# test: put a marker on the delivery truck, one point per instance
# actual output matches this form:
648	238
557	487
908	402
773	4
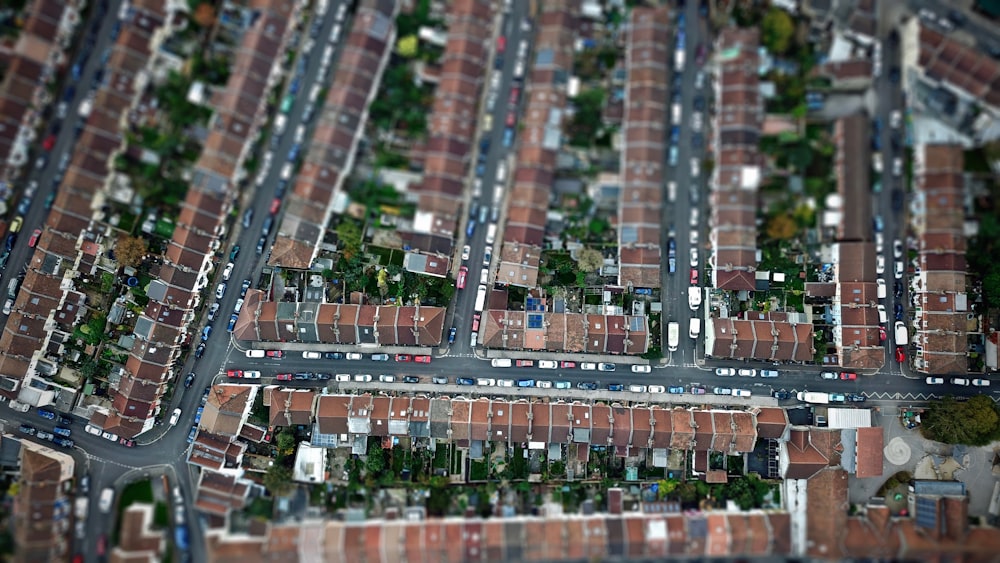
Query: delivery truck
812	397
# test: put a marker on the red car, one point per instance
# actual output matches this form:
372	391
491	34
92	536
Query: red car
900	354
283	377
275	354
275	206
694	276
126	442
511	119
234	373
514	93
525	363
501	44
34	238
848	375
475	322
881	334
567	364
463	273
49	142
102	545
403	357
422	359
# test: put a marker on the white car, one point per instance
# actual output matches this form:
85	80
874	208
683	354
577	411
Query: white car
588	366
657	389
898	271
768	373
897	249
251	375
228	272
563	385
895	119
694	257
466	250
641	369
385	378
829	375
960	381
505	383
220	290
175	417
110	436
362	378
543	384
744	393
548	364
342	377
311	355
637	388
726	372
8	306
897	166
879	242
747	372
696	121
694	217
880	264
880	289
695	167
935	381
486	381
981	382
91	429
354	356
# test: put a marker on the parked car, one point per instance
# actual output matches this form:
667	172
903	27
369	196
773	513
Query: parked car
547	364
782	395
900	354
46	414
411	379
981	382
567	365
606	367
641	369
403	357
439	380
333	355
311	355
829	375
745	372
418	359
934	381
726	372
675	390
848	376
354	356
768	373
588	366
855	398
587	385
616	387
563	384
722	391
381	357
189	380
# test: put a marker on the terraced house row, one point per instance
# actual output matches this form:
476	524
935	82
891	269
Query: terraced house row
49	305
340	126
642	160
30	61
450	131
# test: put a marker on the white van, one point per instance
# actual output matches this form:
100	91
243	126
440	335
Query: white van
473	339
883	316
255	353
501	171
491	234
279	124
672	191
501	362
694	328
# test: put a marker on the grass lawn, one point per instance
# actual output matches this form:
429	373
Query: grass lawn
441	457
478	470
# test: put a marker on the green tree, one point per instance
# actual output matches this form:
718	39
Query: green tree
286	440
349	238
408	46
376	461
278	479
975	422
587	121
777	30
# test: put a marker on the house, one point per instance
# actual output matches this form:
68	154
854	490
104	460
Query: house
227	407
218	493
41	526
137	540
289	407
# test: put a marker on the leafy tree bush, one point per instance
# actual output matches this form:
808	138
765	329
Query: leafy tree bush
975	422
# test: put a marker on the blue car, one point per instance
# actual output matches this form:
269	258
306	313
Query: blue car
46	414
465	381
451	335
675	390
525	382
62	431
508	137
471	228
192	434
232	322
64	442
616	387
205	333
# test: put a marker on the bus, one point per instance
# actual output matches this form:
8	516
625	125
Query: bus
480	298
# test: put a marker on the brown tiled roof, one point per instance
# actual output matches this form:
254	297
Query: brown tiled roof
868	458
804	458
826	523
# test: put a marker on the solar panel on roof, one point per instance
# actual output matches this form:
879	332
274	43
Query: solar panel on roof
535	321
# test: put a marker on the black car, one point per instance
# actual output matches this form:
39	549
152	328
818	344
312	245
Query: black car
411	379
897	200
465	381
899	311
587	385
699	103
27	429
304	376
324	376
199	351
897	289
234	253
782	395
65	420
333	356
189	380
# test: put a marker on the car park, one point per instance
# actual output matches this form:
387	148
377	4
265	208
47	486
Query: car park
641	369
725	372
745	372
934	380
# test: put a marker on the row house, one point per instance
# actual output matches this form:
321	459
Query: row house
932	60
49	306
30	63
239	109
339	128
41	514
348	420
547	537
565	332
737	174
640	212
338	323
451	127
942	312
539	140
773	337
